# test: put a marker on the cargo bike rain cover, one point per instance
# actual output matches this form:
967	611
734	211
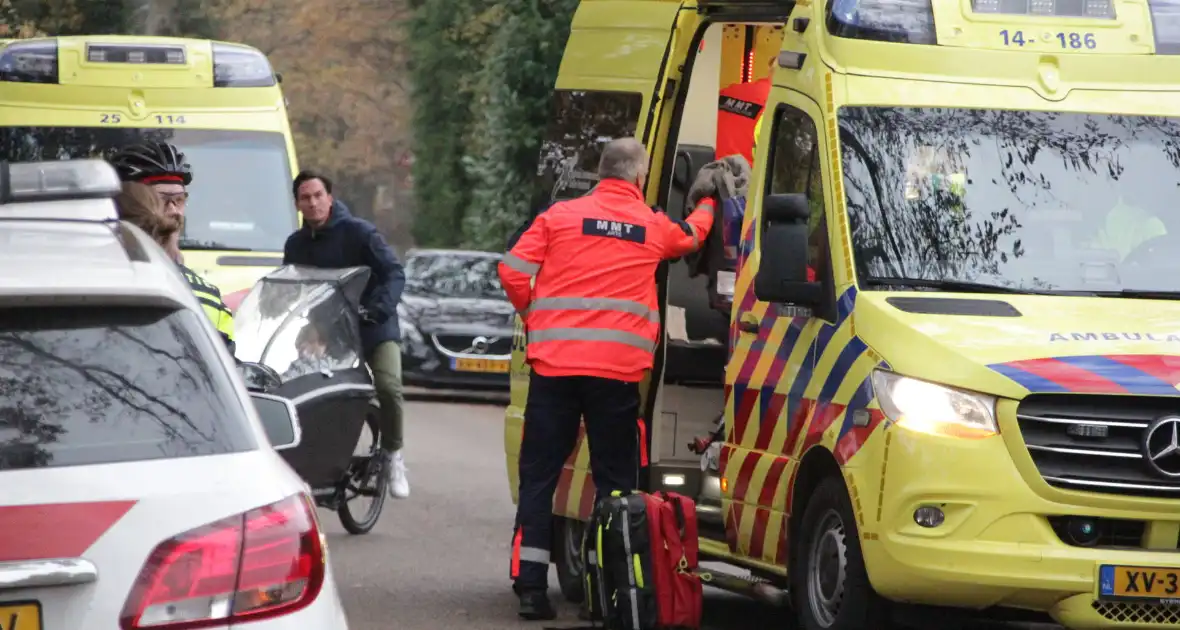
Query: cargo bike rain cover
304	323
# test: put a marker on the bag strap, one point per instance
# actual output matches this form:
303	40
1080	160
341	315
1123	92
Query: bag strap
678	511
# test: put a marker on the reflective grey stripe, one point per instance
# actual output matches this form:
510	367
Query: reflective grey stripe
520	265
696	239
595	304
631	571
592	334
592	558
532	554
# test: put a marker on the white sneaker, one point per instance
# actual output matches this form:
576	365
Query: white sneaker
399	487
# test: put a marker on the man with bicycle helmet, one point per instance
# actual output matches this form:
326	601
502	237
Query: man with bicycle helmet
162	166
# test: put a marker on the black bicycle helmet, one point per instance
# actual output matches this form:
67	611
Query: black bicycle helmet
152	162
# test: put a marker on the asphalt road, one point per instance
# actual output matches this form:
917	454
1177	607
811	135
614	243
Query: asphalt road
439	560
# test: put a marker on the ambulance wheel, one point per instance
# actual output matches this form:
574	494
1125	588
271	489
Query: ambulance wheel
567	555
830	587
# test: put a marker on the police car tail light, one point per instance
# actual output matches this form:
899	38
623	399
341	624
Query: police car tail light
52	181
925	407
1165	21
902	21
264	563
241	66
30	61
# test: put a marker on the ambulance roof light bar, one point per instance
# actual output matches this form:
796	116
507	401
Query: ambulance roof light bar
66	180
1165	21
29	61
912	21
241	66
898	21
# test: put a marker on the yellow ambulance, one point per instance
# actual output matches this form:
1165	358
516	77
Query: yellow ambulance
974	403
220	103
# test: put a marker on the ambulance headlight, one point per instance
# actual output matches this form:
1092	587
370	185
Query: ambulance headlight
925	407
900	21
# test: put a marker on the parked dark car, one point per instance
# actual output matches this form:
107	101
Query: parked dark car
456	321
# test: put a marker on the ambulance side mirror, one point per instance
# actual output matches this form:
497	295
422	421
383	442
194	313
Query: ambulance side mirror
782	273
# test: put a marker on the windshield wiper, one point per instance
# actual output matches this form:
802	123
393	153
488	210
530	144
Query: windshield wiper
949	285
212	246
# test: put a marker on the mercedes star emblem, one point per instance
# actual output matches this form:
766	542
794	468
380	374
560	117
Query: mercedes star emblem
1161	446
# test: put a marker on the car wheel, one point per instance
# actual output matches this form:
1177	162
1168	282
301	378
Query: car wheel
568	558
829	584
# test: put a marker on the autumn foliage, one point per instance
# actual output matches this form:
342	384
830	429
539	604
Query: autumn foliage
456	90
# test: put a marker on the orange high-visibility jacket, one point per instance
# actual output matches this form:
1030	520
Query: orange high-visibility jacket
593	310
739	107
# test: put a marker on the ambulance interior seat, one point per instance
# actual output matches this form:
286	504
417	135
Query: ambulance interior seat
701	357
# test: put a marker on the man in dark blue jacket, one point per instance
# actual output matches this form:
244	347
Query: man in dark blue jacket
332	238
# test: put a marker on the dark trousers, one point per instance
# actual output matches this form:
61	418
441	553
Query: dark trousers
555	407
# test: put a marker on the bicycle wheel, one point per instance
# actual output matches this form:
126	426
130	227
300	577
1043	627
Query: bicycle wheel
366	486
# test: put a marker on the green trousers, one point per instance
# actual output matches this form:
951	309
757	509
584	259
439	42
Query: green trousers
386	362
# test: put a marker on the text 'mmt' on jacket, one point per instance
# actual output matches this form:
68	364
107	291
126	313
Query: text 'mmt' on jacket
593	310
739	107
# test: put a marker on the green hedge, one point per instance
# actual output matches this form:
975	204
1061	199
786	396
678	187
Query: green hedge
483	78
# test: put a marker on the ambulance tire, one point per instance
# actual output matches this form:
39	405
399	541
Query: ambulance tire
567	545
830	587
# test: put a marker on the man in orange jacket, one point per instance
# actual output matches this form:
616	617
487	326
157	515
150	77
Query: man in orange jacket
592	322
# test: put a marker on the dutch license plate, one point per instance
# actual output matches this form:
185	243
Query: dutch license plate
1123	582
479	365
26	616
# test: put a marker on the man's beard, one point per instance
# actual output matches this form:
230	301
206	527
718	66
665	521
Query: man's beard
170	223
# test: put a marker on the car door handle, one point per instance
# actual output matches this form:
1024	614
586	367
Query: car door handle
43	573
748	323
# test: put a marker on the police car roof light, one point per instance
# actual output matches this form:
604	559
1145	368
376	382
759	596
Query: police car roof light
58	181
29	61
899	21
1165	21
241	66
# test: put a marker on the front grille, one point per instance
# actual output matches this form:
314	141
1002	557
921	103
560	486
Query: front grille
1095	443
1137	612
464	344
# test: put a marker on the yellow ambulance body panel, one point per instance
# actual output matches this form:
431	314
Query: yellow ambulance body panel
220	103
953	356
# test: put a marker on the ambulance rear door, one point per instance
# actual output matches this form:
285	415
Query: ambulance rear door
607	87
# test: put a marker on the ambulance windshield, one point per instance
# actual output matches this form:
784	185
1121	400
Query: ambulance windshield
1026	201
240	196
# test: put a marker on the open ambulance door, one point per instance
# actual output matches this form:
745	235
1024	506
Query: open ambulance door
732	41
608	86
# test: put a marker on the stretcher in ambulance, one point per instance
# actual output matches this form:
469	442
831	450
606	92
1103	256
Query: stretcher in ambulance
974	403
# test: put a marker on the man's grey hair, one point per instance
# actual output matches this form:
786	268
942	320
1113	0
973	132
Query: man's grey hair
623	158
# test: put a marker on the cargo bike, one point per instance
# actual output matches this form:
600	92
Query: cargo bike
298	338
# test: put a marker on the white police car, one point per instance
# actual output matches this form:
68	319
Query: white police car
137	485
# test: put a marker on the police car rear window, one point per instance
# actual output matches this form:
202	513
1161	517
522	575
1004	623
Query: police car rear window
99	385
